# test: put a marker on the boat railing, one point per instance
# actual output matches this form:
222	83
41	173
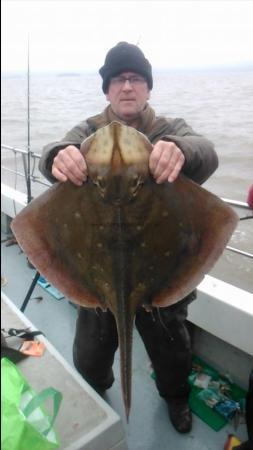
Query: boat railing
34	157
25	154
245	206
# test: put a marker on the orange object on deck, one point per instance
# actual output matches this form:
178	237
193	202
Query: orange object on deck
231	442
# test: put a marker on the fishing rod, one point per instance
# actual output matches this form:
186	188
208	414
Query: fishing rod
28	177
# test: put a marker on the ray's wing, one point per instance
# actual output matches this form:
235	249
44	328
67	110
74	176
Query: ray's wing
58	232
181	230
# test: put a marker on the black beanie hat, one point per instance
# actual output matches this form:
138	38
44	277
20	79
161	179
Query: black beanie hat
125	57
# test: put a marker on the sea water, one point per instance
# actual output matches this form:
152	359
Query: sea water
216	103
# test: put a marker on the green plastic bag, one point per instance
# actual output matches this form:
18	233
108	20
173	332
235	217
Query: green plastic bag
25	424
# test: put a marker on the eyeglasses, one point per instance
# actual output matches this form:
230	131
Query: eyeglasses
134	80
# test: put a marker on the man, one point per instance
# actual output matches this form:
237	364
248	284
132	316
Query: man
127	82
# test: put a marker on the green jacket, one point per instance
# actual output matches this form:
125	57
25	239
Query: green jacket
200	157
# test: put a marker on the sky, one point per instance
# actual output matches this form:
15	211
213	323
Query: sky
74	36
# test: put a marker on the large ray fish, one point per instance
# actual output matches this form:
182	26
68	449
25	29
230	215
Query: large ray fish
122	241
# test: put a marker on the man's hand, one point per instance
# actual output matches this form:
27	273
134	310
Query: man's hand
69	164
165	162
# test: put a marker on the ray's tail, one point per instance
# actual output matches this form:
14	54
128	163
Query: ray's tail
125	335
123	309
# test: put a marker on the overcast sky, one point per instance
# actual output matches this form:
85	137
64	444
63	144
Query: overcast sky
75	35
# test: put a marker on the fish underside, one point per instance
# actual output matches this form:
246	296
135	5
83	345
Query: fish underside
121	241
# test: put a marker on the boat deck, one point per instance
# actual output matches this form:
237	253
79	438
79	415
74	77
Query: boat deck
149	427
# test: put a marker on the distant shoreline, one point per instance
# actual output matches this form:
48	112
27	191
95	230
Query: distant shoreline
219	68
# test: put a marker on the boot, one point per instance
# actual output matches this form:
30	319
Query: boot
180	414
